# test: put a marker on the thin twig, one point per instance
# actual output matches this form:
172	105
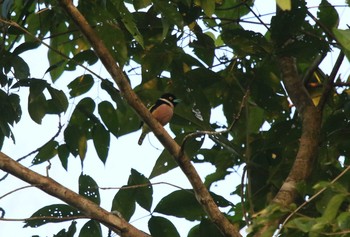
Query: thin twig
15	190
141	186
311	198
215	133
328	86
14	24
46	218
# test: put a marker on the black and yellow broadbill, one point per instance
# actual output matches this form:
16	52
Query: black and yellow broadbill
162	111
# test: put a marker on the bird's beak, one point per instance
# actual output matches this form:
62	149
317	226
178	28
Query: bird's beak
177	100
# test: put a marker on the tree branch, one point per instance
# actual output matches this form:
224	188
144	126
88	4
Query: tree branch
87	207
202	194
308	146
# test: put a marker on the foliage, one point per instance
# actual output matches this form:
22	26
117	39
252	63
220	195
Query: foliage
200	51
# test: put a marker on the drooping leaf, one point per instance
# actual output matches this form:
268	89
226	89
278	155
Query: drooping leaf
343	37
181	203
63	154
162	227
109	116
143	195
101	139
46	152
124	202
166	162
69	233
328	15
58	102
20	67
89	188
81	85
55	211
91	229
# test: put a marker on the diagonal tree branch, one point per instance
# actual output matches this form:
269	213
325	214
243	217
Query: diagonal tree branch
202	193
87	207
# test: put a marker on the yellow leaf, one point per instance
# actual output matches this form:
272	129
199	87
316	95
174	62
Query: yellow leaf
285	5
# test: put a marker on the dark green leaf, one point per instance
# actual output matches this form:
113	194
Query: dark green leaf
124	203
208	229
129	22
20	67
208	7
143	195
161	227
58	102
101	139
26	46
56	211
327	15
87	56
166	162
91	229
37	107
46	152
343	37
109	116
181	203
70	233
81	85
169	12
89	189
204	48
73	136
63	154
343	221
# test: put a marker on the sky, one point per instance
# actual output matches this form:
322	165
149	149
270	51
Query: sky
124	155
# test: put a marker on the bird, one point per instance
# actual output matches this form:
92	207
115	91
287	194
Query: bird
162	111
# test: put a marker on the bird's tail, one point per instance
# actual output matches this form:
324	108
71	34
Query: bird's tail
142	137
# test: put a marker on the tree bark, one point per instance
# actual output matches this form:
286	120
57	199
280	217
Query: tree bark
87	207
202	194
311	118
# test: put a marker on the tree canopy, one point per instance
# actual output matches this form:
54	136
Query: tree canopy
286	115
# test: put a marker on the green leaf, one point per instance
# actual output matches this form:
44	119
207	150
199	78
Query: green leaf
139	4
129	22
327	15
143	195
166	162
29	45
69	233
343	37
101	139
208	229
20	67
181	203
124	202
285	5
162	227
89	189
204	48
332	208
81	85
63	154
303	224
58	102
59	43
37	107
46	152
109	117
72	135
56	211
208	7
343	221
169	12
87	56
91	229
